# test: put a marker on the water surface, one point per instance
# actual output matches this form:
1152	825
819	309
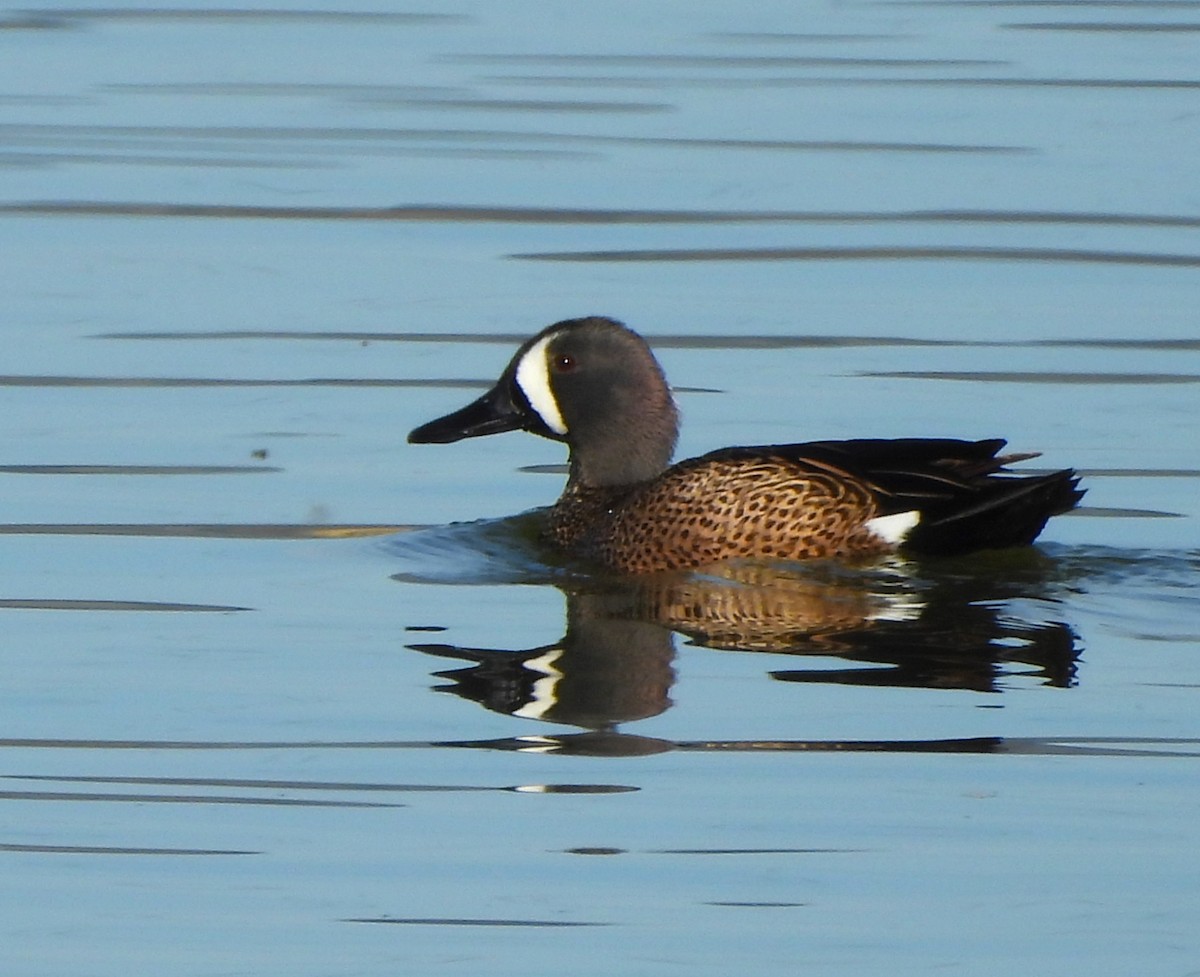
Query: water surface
284	693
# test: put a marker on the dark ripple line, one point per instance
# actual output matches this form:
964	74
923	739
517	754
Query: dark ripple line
168	156
307	89
33	795
578	215
76	133
56	604
119	850
663	341
1186	84
207	530
1021	746
438	383
1028	746
1158	344
790	37
759	905
1127	27
77	381
1133	472
32	159
43	743
513	104
137	469
1049	376
1111	512
12	98
720	61
254	783
240	14
977	81
515	339
752	851
463	921
1065	255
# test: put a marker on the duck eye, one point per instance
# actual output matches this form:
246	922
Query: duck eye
564	363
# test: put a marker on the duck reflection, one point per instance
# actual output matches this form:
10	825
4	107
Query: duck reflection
607	669
890	625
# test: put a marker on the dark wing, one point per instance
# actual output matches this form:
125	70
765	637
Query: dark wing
967	498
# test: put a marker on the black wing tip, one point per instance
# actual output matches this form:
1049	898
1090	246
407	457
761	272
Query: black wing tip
1006	511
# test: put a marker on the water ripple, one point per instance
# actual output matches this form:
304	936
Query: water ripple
881	253
469	214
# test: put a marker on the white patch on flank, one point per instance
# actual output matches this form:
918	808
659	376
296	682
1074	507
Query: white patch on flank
894	529
544	696
533	377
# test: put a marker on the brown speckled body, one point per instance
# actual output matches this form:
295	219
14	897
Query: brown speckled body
712	508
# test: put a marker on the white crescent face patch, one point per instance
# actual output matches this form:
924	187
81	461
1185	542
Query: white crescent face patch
533	377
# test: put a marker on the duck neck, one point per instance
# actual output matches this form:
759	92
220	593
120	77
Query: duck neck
615	455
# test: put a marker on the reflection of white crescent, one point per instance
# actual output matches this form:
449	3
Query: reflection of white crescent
544	697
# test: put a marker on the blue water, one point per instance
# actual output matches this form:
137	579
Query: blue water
283	693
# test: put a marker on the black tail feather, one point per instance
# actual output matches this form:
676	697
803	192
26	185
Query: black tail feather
1000	512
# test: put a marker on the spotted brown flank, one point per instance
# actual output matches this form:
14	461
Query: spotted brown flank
710	509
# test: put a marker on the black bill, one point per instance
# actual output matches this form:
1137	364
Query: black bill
495	412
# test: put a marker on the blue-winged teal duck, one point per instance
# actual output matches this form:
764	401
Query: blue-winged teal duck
596	385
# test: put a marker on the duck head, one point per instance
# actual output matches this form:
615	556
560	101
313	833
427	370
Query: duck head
591	383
